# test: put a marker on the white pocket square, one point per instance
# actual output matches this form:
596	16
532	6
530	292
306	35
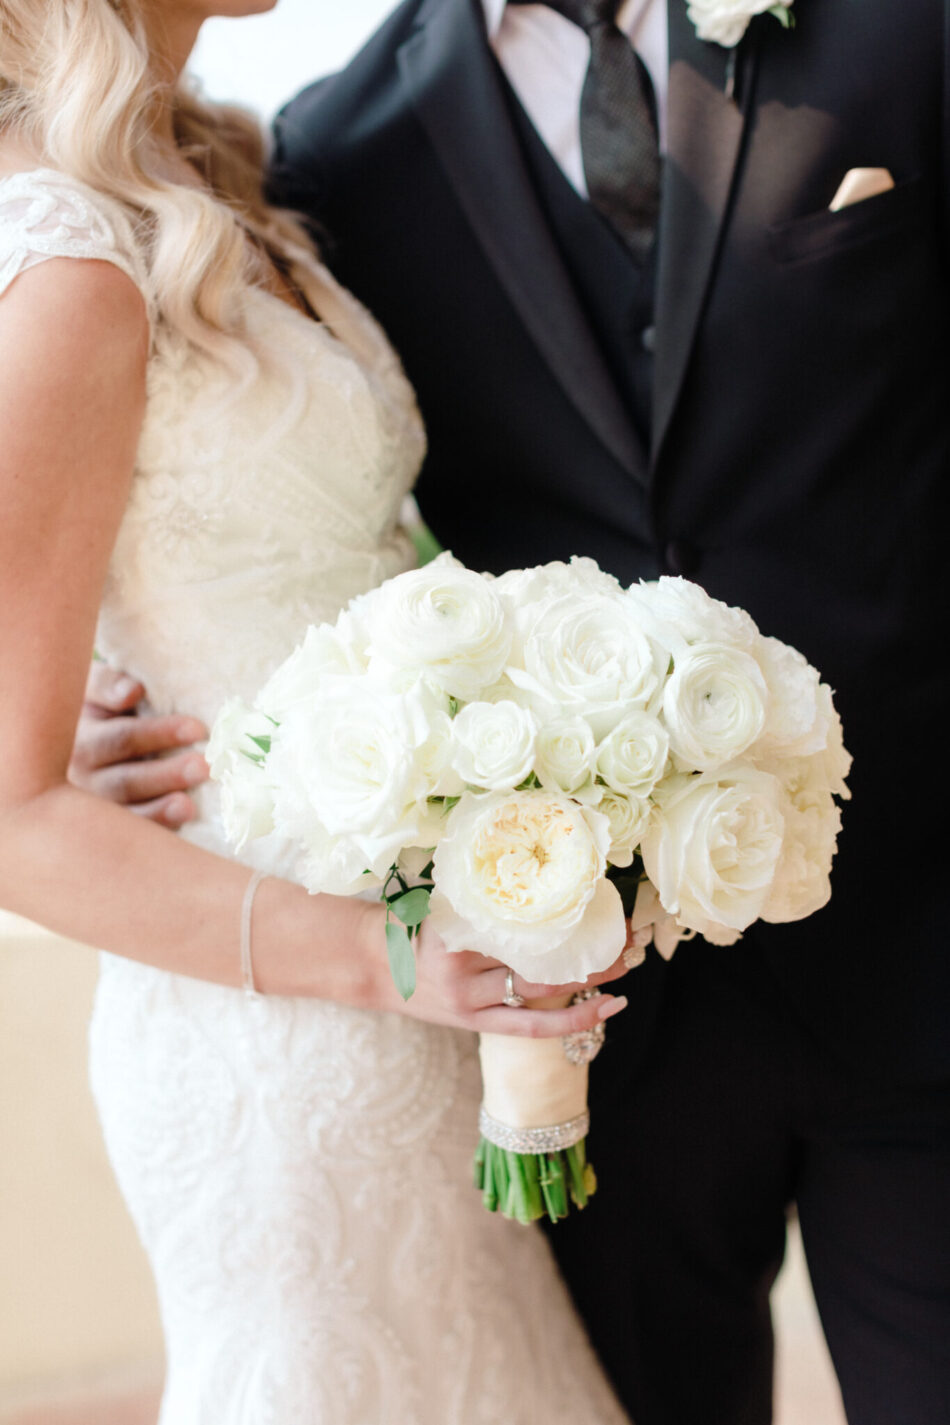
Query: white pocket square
861	183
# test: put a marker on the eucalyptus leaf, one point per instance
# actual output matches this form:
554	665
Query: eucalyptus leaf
402	962
413	907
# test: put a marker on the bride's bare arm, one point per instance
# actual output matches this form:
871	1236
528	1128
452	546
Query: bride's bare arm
73	345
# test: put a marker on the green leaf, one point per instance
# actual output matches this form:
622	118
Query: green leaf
413	907
262	742
256	757
784	15
402	962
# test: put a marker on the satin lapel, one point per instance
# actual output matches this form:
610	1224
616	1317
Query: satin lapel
457	95
705	129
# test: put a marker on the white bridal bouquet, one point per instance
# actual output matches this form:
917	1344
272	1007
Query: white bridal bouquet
516	758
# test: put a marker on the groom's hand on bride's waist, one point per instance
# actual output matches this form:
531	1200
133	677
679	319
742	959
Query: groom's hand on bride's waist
130	756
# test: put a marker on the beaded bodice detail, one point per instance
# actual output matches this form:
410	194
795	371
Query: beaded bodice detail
299	1171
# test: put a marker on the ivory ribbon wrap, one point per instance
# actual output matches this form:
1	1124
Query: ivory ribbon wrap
530	1083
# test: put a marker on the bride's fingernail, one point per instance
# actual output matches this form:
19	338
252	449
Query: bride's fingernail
612	1005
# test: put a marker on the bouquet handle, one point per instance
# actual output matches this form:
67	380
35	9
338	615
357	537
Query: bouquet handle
531	1159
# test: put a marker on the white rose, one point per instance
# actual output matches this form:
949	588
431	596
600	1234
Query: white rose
632	757
587	656
443	622
564	756
493	745
524	591
714	705
628	817
724	22
520	876
232	736
360	757
711	849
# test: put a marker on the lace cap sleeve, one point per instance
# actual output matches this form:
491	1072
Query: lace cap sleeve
44	214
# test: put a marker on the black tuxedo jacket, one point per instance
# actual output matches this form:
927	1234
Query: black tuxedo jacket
800	427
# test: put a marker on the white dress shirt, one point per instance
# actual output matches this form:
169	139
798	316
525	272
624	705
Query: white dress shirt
545	59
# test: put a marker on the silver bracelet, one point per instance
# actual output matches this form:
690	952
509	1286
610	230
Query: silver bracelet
247	906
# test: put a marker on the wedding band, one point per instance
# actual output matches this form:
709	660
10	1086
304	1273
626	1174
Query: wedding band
512	1000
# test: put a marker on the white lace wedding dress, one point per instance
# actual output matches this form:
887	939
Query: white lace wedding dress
299	1171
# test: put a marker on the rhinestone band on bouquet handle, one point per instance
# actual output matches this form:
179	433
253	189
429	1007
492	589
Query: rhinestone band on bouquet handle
529	761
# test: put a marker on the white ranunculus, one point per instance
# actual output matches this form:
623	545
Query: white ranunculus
360	756
714	705
628	817
632	757
712	847
564	756
493	745
520	876
587	656
724	22
442	622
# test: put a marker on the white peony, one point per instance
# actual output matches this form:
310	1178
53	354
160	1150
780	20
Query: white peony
442	622
247	791
328	650
797	722
587	656
714	705
632	757
564	755
712	847
360	757
679	613
520	876
724	22
493	745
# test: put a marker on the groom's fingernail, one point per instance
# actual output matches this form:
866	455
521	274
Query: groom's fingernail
612	1005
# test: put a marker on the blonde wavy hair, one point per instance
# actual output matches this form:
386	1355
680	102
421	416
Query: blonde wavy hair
78	87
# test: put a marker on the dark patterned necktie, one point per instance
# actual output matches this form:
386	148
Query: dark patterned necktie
618	126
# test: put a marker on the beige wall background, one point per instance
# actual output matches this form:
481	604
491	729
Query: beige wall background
76	1298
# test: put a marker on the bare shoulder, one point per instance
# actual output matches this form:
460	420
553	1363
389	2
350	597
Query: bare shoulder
75	311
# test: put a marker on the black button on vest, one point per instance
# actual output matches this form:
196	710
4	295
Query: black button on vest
616	291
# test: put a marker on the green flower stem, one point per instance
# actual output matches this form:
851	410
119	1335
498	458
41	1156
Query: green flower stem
528	1186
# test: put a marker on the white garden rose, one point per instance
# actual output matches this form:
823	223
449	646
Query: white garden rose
587	656
360	756
714	705
632	757
724	22
493	745
442	622
525	592
520	876
712	847
678	612
628	817
564	756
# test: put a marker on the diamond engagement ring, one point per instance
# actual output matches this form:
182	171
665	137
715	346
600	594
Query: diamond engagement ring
512	1000
584	1045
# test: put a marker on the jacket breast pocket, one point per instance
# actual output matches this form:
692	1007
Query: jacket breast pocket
820	234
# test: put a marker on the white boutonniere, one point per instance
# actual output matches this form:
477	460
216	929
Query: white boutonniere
724	22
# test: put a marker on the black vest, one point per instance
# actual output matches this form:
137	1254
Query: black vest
617	294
